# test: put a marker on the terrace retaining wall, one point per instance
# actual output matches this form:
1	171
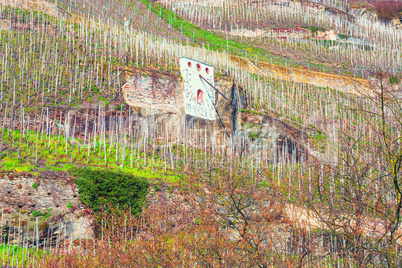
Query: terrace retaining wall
19	198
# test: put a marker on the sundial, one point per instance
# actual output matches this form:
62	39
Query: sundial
199	92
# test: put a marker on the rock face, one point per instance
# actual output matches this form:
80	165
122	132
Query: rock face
28	193
157	98
247	33
148	89
326	35
48	205
5	25
397	23
153	93
300	75
18	227
363	14
290	33
279	33
271	137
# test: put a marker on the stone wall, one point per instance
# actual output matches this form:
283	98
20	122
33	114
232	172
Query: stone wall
18	192
52	193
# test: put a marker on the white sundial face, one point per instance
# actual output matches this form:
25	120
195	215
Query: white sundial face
199	96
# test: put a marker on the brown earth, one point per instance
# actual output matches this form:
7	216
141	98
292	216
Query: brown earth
337	82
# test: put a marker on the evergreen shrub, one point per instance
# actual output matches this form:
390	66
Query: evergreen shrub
98	188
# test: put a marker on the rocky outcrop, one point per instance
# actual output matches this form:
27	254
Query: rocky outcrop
44	210
326	35
30	193
157	99
272	137
160	94
299	75
24	229
363	14
5	25
397	23
149	88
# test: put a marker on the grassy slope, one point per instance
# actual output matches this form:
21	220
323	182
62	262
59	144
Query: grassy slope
10	254
62	155
218	42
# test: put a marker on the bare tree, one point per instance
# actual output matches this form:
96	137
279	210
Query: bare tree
360	196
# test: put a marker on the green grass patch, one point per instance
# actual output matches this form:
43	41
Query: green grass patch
342	36
314	29
37	153
11	255
393	80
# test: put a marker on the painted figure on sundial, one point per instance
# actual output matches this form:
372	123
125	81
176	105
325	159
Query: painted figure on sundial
199	96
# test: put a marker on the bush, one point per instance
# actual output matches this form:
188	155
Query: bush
393	80
387	10
342	36
104	187
314	29
119	107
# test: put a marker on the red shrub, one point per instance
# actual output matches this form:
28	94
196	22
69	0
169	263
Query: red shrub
387	10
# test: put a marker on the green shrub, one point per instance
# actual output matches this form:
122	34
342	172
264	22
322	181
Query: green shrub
34	185
104	187
342	36
157	188
393	80
46	215
314	29
253	135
